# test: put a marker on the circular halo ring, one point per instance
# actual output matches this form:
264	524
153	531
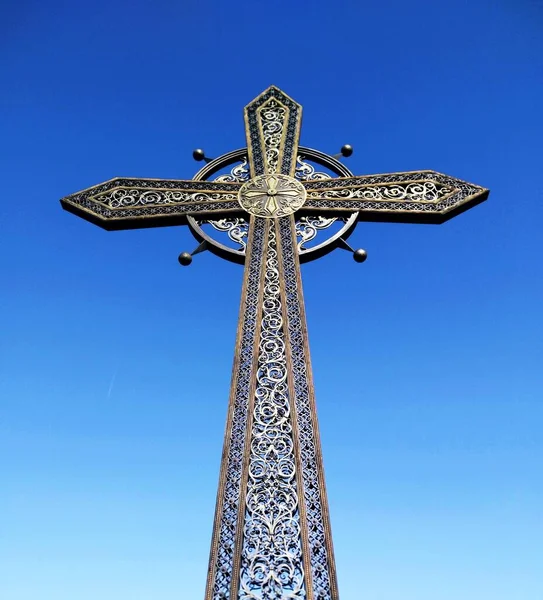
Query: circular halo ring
305	255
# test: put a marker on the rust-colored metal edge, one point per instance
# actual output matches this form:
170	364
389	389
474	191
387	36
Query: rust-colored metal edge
306	549
227	434
247	454
318	450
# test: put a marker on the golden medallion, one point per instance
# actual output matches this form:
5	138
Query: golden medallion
272	196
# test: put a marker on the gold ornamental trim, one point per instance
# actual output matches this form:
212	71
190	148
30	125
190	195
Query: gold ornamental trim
272	196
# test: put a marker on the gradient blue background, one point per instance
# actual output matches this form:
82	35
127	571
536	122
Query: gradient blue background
115	361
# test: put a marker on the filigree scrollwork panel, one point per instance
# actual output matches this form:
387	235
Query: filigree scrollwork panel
237	230
420	191
321	560
128	203
425	193
272	128
308	227
229	494
272	196
272	116
129	197
305	171
238	174
271	558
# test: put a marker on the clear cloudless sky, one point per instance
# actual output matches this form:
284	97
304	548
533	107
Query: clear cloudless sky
115	361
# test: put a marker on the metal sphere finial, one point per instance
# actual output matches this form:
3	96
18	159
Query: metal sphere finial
198	154
346	150
360	255
185	258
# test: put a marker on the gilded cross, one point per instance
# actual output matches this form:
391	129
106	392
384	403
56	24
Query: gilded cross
271	536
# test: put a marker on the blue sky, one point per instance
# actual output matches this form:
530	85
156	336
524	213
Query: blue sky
115	362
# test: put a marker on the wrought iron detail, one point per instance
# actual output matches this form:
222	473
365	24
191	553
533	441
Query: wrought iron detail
272	117
272	126
307	228
305	171
419	191
237	229
127	197
318	528
125	203
173	210
271	565
368	194
228	500
239	173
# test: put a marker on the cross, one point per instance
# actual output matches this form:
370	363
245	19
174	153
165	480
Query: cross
271	535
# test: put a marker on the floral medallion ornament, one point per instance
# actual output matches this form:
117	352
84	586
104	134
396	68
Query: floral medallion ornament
272	196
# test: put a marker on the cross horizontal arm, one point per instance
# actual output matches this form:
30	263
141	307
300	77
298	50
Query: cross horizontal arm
123	203
413	197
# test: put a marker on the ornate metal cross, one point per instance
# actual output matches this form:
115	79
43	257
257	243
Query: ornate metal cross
271	536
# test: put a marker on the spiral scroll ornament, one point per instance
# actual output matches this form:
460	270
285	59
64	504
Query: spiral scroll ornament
271	560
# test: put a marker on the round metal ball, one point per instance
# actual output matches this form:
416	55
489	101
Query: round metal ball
347	150
360	255
185	258
198	154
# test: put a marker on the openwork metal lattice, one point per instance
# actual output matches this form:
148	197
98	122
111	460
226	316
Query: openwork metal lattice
308	227
271	554
271	201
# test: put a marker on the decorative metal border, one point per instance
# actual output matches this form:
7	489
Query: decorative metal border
238	256
232	573
464	196
317	520
271	556
290	132
229	506
92	206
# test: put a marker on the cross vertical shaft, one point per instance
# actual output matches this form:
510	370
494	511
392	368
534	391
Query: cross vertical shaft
272	532
271	537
